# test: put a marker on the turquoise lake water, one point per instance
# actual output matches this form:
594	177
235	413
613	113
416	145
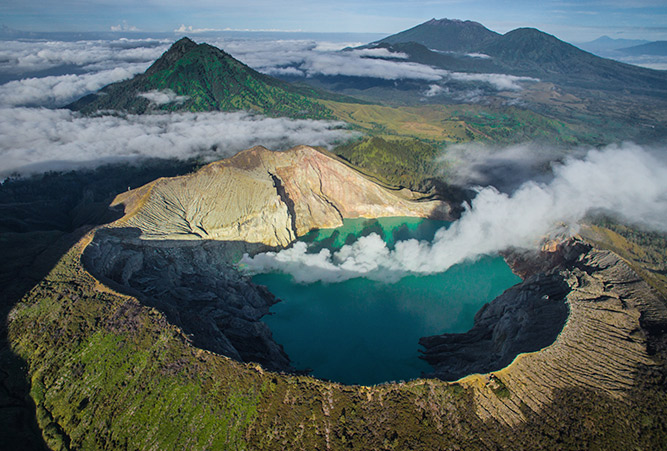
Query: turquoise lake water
366	332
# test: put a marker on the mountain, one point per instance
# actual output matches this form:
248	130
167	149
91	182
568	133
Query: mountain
445	35
531	52
524	52
605	46
458	62
144	329
200	77
657	48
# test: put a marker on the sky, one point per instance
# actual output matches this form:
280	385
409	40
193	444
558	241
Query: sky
573	21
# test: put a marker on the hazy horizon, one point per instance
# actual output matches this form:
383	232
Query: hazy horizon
577	22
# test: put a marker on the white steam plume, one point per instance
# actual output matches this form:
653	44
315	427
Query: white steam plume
627	181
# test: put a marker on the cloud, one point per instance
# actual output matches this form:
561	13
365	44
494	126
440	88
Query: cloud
56	91
356	66
501	82
504	168
123	26
37	139
626	181
379	53
284	71
25	57
478	55
163	97
656	62
190	29
310	58
434	90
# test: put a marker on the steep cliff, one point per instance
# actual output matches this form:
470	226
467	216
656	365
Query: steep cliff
260	196
175	247
613	337
160	354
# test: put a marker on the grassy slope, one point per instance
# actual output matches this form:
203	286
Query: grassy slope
403	143
457	123
210	80
109	373
396	162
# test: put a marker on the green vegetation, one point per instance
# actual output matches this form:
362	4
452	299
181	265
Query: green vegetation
460	123
397	162
109	373
207	79
498	387
403	143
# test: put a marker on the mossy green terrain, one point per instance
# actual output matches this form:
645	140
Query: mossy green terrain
206	79
109	373
398	162
458	123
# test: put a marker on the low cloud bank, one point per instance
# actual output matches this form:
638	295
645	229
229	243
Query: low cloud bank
309	58
37	55
60	90
505	168
501	82
38	139
163	97
626	181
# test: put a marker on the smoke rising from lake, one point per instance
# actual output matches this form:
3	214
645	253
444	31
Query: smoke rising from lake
626	181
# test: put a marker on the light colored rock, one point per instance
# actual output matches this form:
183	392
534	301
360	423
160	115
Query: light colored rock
261	196
603	347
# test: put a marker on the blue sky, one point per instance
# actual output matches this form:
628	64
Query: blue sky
567	19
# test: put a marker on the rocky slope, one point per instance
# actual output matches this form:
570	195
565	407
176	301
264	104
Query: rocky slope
175	247
614	335
260	196
120	364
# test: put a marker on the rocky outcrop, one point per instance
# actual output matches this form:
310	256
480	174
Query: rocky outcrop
197	289
260	196
175	247
616	322
525	318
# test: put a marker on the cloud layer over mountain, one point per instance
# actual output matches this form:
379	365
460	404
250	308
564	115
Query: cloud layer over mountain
39	139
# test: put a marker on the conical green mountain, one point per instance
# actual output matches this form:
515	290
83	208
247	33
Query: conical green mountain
200	77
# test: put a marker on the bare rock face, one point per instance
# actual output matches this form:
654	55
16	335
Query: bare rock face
260	196
197	289
614	326
525	318
175	247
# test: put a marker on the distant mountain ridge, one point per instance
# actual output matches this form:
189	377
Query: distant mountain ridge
524	52
605	45
200	77
656	48
445	35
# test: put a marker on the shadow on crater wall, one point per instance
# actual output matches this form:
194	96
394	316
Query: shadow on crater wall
195	286
525	318
41	218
